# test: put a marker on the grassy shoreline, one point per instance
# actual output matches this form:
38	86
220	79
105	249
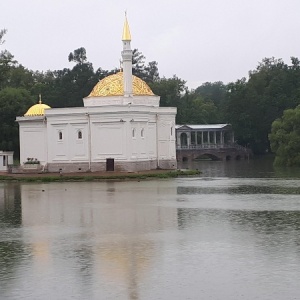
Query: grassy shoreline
96	177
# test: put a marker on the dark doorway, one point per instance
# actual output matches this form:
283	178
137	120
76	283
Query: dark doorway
110	164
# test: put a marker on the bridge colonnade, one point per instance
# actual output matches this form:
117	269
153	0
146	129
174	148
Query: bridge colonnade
214	141
199	136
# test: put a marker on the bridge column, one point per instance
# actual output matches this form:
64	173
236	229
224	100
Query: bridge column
221	137
232	137
178	139
202	138
215	138
188	134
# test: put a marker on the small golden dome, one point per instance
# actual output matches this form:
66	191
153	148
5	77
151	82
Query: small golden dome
37	109
113	85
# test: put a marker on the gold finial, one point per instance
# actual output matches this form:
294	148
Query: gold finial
40	99
126	31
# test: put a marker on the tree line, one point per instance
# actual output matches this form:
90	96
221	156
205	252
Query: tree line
251	105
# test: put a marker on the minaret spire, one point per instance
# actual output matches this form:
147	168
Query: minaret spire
127	59
126	31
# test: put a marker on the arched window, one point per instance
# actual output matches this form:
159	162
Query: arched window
142	132
79	134
60	135
183	139
133	132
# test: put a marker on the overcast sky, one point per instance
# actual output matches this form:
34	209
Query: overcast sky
198	40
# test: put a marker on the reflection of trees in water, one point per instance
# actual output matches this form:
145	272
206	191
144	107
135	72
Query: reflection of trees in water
261	221
285	224
10	252
192	190
10	204
242	189
85	261
267	222
11	249
251	189
257	167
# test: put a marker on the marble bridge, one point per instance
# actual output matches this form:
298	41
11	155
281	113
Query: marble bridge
214	142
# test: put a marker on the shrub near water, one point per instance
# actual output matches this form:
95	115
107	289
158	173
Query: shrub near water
124	176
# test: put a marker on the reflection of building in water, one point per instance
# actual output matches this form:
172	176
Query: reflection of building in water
111	208
110	224
125	262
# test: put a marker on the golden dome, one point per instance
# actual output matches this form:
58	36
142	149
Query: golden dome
113	85
37	109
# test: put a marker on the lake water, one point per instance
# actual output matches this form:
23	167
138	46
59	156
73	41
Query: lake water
231	233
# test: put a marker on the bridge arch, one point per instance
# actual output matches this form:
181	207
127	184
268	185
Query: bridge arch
206	156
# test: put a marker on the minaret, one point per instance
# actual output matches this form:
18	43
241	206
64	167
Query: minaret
127	59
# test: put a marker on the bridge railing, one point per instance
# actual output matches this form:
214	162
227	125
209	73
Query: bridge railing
210	146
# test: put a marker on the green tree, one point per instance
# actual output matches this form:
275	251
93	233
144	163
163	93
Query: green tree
78	56
6	60
6	63
170	91
2	33
67	87
214	92
196	110
13	102
285	138
251	106
138	63
147	72
237	111
20	77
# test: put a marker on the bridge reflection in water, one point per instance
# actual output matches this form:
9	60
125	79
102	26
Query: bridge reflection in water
209	141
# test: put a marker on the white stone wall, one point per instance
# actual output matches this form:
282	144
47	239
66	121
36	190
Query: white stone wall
33	139
146	100
64	142
108	140
6	158
166	137
136	137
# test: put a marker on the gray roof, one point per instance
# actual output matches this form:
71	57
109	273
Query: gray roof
203	126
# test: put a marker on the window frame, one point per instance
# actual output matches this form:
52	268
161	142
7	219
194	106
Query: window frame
79	135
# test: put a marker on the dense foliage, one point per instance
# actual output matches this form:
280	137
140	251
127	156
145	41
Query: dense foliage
285	138
250	105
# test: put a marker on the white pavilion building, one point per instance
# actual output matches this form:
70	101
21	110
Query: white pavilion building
120	127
